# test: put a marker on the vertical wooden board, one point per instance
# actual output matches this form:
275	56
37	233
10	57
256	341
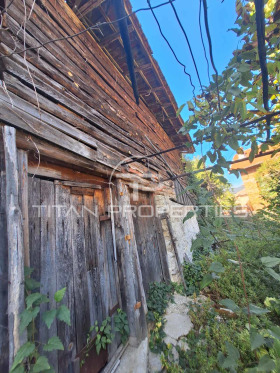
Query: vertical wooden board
34	212
102	260
108	244
147	240
106	230
23	201
92	241
4	336
15	244
126	247
64	276
48	264
82	318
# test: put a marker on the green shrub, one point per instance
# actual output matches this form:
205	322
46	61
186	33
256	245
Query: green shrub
159	295
192	275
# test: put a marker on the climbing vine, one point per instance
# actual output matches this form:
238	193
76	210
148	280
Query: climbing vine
29	357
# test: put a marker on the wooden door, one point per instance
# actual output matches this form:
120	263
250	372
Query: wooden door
71	246
150	240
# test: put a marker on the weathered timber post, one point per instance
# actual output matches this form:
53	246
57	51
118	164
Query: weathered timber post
23	201
136	306
4	334
15	244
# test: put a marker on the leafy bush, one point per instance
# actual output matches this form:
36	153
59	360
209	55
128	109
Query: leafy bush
159	295
192	275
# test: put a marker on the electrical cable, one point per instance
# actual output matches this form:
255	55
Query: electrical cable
96	26
210	49
202	40
260	23
170	47
187	40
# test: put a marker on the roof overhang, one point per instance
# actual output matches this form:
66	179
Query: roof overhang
152	86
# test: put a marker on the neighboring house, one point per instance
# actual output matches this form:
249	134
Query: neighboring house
248	175
62	152
242	200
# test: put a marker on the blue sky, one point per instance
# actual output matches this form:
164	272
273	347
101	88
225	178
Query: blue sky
221	18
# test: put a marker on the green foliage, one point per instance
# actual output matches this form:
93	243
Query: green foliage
104	334
159	295
192	275
218	119
268	176
28	358
121	325
156	339
100	336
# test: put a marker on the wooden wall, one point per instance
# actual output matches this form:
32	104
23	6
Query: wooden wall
82	102
67	237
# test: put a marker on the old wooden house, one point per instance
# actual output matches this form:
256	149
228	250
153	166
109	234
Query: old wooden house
83	105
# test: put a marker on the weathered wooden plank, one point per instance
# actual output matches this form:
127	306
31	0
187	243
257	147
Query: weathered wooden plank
65	276
48	263
34	213
111	93
92	247
102	258
82	318
53	152
51	120
21	119
147	240
80	185
15	244
88	7
126	245
4	335
23	201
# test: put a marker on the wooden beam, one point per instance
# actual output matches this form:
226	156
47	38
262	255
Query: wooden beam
114	36
15	244
87	7
144	67
130	264
23	201
4	334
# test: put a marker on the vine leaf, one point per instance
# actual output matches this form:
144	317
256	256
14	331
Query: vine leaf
231	360
255	310
18	369
217	267
207	279
41	365
230	304
24	351
63	314
26	317
32	284
189	215
48	317
273	273
270	261
34	297
257	340
59	295
274	331
53	343
266	364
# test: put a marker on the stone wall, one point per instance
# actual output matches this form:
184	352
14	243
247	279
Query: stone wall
176	232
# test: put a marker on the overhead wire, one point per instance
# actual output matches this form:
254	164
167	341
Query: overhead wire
93	27
202	41
170	47
188	42
260	23
211	49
